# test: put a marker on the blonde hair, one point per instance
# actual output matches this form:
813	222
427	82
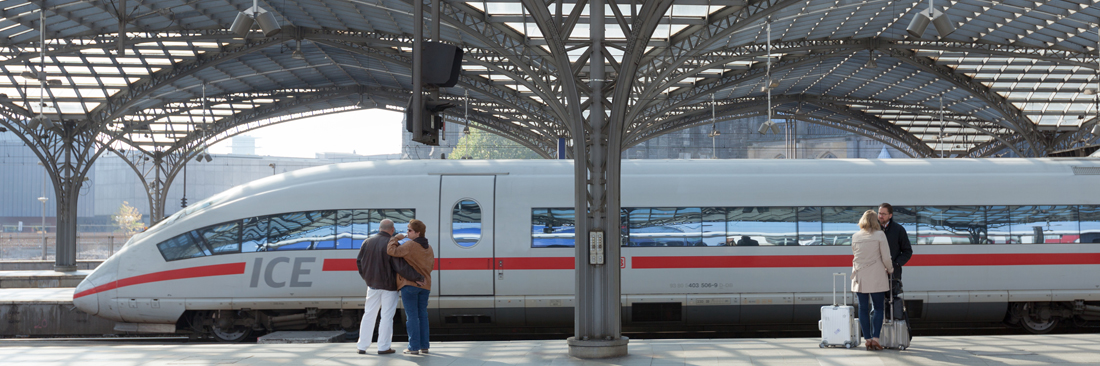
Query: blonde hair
869	221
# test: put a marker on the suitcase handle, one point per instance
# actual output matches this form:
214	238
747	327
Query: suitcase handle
843	281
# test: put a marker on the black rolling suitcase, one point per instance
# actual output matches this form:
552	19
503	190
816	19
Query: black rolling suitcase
895	329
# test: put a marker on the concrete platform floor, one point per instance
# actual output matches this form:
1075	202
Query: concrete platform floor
973	350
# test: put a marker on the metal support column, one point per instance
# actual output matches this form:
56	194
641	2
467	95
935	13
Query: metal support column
597	332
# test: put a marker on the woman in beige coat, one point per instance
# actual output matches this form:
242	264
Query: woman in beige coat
871	267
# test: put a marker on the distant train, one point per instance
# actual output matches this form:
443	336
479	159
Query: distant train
707	245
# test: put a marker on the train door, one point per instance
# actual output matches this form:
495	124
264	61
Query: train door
466	207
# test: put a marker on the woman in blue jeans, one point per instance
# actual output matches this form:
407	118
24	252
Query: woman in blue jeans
871	266
415	295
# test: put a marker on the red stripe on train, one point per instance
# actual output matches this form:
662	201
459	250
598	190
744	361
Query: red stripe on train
175	274
459	264
922	260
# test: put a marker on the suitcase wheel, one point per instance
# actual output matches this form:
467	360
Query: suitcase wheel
901	348
821	345
847	344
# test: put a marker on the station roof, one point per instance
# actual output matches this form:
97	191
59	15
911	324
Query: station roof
163	77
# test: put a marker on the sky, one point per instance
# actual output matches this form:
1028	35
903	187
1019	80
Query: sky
364	132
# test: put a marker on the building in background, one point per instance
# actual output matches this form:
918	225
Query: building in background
739	139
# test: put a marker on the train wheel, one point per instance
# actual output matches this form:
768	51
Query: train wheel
232	334
1034	325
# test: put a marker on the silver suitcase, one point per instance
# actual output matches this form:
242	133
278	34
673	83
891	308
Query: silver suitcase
895	332
839	325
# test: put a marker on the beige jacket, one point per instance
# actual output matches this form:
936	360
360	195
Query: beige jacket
420	258
870	262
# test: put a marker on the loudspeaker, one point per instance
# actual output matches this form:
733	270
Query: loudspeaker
441	65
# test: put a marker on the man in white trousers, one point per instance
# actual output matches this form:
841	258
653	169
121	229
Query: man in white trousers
378	269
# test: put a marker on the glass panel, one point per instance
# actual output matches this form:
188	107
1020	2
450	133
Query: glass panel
907	218
300	230
553	228
665	227
714	226
222	238
254	234
1044	224
839	223
1090	224
997	221
750	226
809	226
466	223
400	218
181	247
352	227
951	225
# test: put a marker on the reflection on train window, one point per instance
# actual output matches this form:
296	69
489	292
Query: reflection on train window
809	226
907	218
222	238
400	218
301	230
664	227
838	224
552	228
182	247
343	229
714	226
952	225
352	227
466	223
753	226
1090	224
254	234
1043	224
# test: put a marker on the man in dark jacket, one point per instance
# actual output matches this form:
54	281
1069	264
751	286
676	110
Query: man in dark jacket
378	269
900	248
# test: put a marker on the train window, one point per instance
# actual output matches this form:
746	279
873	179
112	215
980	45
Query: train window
997	223
907	218
182	246
1090	224
400	218
301	230
352	227
466	223
951	225
838	224
809	226
752	226
665	227
553	228
254	234
714	226
1043	224
222	238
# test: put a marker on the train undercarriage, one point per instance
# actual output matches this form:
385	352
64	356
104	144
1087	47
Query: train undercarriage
243	324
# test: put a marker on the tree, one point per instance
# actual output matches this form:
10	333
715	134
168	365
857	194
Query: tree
481	144
128	219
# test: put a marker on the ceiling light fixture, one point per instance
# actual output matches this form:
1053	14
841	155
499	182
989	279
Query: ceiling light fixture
943	23
247	18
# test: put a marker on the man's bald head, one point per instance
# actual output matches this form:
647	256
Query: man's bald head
386	225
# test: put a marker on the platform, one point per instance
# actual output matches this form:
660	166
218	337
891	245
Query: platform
41	278
973	350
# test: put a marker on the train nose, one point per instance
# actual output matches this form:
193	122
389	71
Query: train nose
94	294
85	297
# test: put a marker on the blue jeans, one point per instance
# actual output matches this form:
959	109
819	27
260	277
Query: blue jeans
871	318
415	300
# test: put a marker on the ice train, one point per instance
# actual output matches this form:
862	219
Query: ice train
707	244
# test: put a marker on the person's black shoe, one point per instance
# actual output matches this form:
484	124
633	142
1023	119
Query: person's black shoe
362	352
386	352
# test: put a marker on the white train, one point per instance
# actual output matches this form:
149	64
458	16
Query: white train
708	245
